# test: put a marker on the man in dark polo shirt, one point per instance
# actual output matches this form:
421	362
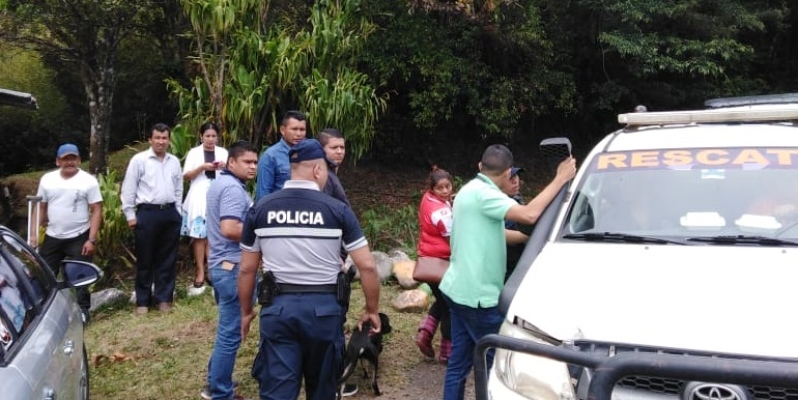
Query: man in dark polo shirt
296	234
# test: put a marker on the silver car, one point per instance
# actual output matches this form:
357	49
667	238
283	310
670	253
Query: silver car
42	352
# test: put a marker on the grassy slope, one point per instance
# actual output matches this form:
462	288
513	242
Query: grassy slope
164	356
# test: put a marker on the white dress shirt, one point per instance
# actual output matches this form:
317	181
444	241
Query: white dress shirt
150	180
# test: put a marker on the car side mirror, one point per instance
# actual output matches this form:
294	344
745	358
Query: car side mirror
555	150
80	273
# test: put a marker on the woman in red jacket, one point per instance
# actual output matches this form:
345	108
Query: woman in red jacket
435	222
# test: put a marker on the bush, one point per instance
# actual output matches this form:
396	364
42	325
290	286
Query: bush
387	228
114	239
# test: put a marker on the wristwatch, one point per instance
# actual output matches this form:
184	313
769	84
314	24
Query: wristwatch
92	241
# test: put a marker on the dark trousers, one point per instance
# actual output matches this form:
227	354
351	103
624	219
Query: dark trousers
157	236
301	337
440	310
54	250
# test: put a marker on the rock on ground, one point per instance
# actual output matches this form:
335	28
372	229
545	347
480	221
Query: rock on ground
411	301
403	271
106	296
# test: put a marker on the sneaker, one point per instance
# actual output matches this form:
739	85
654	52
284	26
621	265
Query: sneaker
141	310
194	290
84	314
349	390
206	392
165	307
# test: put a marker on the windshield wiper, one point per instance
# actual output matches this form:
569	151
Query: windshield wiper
744	239
621	237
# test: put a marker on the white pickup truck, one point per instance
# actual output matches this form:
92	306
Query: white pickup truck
667	270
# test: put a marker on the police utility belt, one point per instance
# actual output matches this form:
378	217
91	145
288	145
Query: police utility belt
268	289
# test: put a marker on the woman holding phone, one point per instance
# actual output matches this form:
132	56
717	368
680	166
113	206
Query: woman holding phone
200	168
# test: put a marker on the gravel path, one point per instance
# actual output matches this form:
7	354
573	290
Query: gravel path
425	382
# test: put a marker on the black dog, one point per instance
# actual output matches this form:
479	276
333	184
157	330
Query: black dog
367	349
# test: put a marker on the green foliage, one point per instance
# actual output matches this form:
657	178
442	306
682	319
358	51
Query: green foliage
30	136
250	73
181	140
85	36
387	228
464	80
335	93
114	239
687	37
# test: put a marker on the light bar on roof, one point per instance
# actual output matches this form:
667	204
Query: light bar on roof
784	113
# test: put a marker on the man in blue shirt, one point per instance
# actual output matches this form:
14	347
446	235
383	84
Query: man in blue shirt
227	205
273	166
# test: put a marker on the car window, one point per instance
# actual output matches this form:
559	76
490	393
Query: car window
25	285
12	300
689	192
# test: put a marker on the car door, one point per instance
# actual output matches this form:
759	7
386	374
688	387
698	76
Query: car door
48	352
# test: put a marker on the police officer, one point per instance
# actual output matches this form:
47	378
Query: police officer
301	314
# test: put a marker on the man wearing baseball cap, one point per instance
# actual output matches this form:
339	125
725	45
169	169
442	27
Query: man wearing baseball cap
71	210
516	233
296	234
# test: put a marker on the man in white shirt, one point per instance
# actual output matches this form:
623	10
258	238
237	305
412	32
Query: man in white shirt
151	196
71	210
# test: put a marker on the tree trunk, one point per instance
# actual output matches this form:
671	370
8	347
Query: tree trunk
99	90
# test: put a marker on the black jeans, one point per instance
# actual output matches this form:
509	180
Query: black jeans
440	310
157	236
54	250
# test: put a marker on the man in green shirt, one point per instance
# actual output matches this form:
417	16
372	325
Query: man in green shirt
476	271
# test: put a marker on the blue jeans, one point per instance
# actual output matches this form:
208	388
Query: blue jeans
468	326
228	332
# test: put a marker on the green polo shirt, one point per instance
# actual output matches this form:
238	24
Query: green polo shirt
479	254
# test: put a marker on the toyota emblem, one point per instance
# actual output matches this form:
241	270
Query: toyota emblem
714	391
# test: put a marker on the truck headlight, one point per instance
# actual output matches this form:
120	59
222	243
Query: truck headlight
531	376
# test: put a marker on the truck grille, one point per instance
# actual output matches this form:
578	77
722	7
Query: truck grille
671	387
674	387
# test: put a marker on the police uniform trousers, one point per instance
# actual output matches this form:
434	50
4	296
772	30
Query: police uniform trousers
301	337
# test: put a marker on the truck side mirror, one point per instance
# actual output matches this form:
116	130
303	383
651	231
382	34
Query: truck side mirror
555	150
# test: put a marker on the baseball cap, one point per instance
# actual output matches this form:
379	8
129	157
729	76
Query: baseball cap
67	148
307	149
514	171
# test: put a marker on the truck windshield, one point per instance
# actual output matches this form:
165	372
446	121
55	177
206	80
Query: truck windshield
689	193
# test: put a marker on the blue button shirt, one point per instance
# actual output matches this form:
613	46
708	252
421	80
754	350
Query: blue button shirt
273	169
